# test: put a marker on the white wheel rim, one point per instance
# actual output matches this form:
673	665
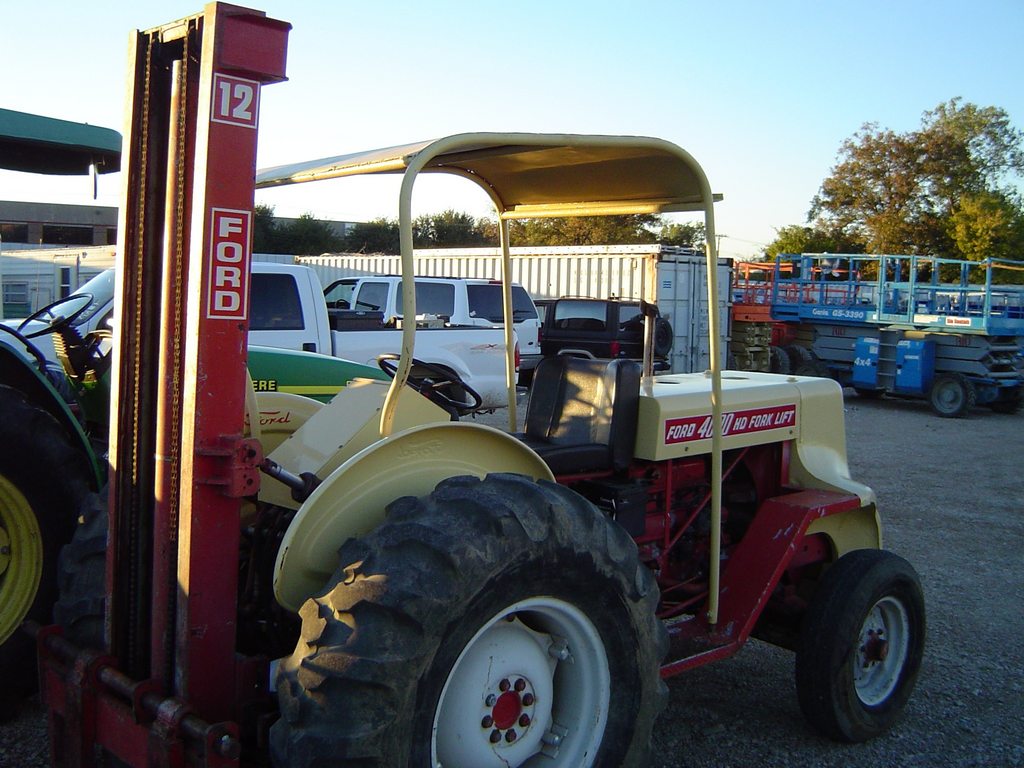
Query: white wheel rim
882	648
533	682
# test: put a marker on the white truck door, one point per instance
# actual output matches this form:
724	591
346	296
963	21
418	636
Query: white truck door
283	312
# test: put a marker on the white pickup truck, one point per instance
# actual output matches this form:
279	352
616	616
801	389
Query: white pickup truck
288	311
458	300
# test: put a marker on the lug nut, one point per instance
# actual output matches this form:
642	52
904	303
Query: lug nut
552	738
524	720
487	722
528	699
510	736
520	685
491	700
559	650
495	736
504	685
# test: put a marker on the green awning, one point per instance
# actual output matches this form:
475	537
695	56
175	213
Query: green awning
37	144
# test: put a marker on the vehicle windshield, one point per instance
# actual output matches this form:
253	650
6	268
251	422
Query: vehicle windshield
101	288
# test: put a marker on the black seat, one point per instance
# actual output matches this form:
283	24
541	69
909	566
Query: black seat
581	416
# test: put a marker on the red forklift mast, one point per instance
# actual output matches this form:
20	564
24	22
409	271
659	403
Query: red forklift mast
179	461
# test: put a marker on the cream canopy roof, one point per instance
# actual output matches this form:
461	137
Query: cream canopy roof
536	175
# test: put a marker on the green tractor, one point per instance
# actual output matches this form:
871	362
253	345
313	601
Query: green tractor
47	462
54	421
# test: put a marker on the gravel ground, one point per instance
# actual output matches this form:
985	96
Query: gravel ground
951	494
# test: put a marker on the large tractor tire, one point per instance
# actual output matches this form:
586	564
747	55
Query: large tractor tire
484	625
861	645
82	577
43	479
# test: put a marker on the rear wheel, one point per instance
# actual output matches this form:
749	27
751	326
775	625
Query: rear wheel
797	355
484	625
780	362
42	481
861	645
869	394
1010	402
951	395
803	362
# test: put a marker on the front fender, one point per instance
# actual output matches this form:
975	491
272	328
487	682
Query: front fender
352	500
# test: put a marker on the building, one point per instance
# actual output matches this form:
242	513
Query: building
52	224
47	250
46	225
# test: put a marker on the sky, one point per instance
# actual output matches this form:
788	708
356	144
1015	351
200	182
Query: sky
762	94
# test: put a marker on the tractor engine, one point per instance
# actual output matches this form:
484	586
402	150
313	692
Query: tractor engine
665	507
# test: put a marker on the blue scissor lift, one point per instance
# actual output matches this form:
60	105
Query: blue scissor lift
947	330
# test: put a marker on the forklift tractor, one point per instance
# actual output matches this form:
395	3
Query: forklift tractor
369	582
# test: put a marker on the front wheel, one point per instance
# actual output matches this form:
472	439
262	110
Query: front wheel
498	623
951	395
861	645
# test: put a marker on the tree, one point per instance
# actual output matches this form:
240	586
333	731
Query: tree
802	239
988	225
871	193
307	236
585	230
264	236
901	192
377	236
449	229
690	235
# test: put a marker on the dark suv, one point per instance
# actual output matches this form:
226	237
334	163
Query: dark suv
601	328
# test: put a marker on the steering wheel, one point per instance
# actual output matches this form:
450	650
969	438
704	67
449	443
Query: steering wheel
78	302
437	384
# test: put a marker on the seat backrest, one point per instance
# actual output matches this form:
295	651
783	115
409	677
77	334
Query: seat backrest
581	401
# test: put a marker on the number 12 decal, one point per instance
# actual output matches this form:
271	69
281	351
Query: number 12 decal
235	101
